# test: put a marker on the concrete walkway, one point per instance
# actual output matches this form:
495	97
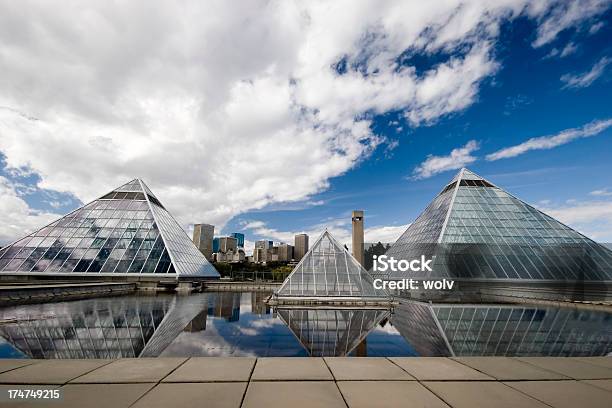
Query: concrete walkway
316	382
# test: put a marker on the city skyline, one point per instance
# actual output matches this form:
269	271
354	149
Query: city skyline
291	140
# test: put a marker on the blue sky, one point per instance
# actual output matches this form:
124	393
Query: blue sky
525	99
297	128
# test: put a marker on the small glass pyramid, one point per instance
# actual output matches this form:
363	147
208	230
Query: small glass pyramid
328	269
127	231
474	229
331	332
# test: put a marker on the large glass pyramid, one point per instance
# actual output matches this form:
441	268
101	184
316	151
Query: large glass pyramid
474	229
328	269
127	231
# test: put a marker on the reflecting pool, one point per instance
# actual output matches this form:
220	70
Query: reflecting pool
241	324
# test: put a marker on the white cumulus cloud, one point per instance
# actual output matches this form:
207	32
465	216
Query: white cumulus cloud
340	228
599	193
16	217
586	78
549	142
563	15
456	159
223	107
592	218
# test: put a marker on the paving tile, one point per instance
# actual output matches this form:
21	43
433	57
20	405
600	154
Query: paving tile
509	369
213	369
187	395
132	370
485	394
565	394
438	368
291	368
102	395
388	394
294	394
570	367
50	371
7	364
600	361
605	384
365	368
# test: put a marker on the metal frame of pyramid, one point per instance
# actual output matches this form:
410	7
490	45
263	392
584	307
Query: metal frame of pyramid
476	230
328	270
124	232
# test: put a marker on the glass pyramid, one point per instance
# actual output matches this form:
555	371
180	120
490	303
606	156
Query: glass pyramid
474	229
331	332
127	231
328	269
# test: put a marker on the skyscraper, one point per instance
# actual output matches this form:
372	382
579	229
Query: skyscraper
285	252
301	246
239	238
263	244
127	231
227	244
203	239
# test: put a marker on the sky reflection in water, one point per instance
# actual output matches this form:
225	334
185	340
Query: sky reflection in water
240	324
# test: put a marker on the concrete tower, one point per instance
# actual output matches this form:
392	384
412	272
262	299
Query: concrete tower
358	235
203	239
300	247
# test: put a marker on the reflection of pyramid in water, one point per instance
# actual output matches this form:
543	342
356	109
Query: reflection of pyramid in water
474	229
99	328
331	332
502	330
328	269
125	231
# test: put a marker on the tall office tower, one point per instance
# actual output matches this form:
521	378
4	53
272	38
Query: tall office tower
263	244
285	252
227	244
215	244
358	235
259	255
203	238
239	238
301	246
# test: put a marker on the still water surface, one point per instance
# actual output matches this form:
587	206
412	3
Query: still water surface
241	324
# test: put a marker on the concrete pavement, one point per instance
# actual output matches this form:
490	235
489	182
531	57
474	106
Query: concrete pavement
353	382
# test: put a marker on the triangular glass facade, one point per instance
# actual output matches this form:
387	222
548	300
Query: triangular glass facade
502	330
115	327
127	231
474	229
328	269
331	332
